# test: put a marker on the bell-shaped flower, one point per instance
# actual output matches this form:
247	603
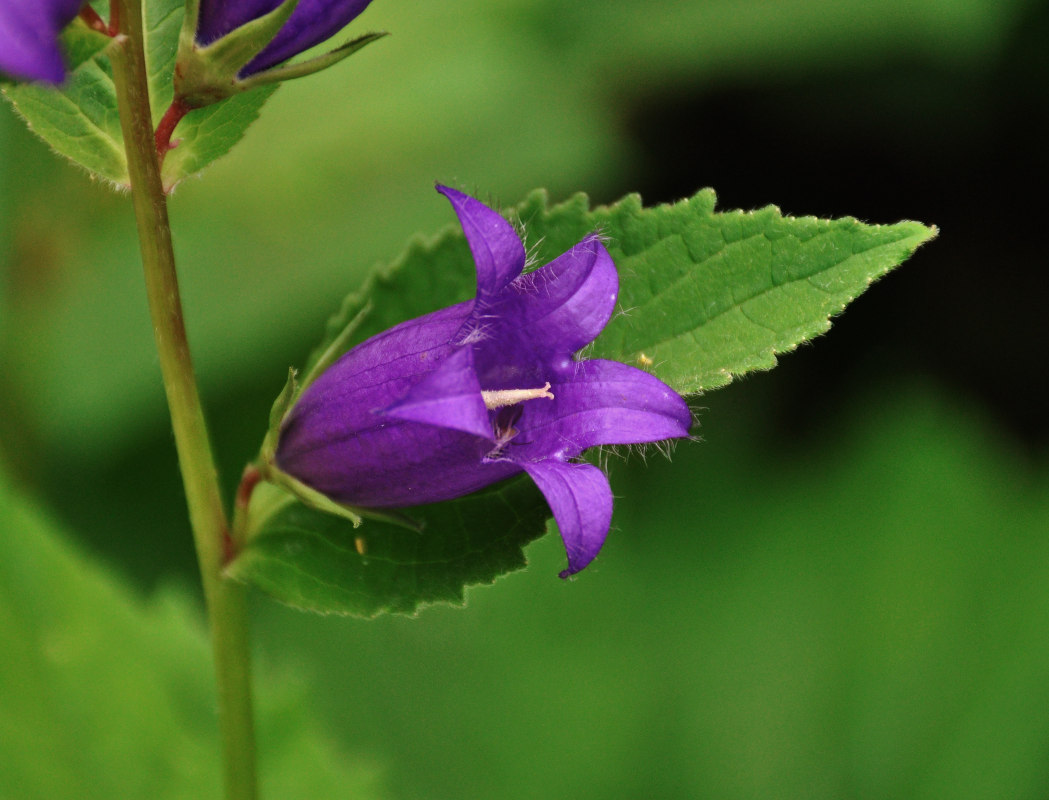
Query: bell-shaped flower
445	404
29	32
230	46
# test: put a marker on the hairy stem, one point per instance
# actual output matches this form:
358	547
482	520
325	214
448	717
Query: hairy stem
226	600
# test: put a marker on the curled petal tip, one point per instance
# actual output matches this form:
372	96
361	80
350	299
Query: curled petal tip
499	255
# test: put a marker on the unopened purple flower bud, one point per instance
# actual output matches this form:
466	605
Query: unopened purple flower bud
29	32
231	46
312	22
445	404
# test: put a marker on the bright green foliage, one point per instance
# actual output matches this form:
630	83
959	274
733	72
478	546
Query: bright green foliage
321	562
80	121
103	696
80	43
704	295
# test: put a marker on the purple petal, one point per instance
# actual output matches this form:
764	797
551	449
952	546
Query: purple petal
29	38
400	419
497	251
602	402
370	377
312	22
546	315
570	300
449	397
581	501
338	441
396	464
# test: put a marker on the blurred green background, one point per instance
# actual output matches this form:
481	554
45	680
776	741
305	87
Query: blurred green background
842	591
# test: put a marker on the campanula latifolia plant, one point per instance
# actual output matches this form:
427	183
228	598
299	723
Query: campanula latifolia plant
459	400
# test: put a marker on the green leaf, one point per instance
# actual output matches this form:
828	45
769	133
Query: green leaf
80	120
81	43
105	695
320	562
708	296
209	133
705	296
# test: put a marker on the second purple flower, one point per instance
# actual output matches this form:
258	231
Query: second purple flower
445	404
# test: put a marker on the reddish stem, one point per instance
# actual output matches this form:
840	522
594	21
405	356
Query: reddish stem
96	23
248	481
114	19
176	111
229	548
93	20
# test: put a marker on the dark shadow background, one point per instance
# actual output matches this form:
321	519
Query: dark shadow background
962	149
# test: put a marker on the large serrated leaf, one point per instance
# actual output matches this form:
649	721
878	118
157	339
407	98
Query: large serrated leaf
705	296
321	562
80	119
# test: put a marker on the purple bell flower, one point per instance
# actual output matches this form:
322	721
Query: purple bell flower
312	22
29	32
445	404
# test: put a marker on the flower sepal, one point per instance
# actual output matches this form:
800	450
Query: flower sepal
270	473
308	495
281	406
301	69
206	74
273	478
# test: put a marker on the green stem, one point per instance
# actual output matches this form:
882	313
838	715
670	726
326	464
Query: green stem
226	600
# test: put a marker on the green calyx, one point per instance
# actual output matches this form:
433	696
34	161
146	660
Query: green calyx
287	72
206	75
211	73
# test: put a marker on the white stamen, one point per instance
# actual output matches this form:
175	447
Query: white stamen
511	397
